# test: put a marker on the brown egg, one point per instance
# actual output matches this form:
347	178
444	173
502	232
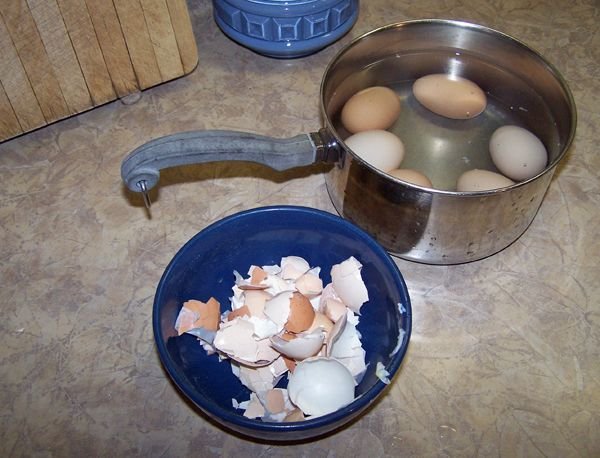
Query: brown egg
301	314
450	96
372	108
412	176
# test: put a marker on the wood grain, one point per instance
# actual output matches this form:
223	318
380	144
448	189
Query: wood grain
137	38
16	84
29	46
60	51
61	57
184	34
163	38
87	49
9	124
110	37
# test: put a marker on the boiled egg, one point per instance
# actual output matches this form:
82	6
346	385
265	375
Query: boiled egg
450	96
412	176
380	148
482	180
517	153
372	108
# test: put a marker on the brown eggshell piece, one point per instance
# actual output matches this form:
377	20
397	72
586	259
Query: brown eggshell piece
274	401
294	415
208	314
301	315
257	276
289	363
242	311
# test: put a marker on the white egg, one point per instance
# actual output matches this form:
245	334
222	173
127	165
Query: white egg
517	153
320	386
380	148
481	180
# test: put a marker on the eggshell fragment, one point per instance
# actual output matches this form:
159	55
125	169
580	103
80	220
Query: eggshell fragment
294	415
375	107
517	153
380	148
242	311
322	322
278	308
334	309
263	378
320	386
303	346
252	282
310	285
348	283
301	314
255	301
382	373
450	96
236	339
412	176
481	180
347	349
197	314
292	267
254	408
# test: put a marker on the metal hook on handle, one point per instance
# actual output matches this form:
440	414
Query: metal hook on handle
144	190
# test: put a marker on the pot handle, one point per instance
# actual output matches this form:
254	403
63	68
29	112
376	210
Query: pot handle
140	170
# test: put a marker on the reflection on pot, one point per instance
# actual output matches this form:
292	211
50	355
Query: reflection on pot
378	205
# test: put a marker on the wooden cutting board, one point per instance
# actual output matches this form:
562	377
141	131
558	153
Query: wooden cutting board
61	57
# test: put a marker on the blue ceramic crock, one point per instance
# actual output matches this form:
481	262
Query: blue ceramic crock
285	28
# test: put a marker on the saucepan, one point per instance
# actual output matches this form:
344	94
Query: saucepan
437	224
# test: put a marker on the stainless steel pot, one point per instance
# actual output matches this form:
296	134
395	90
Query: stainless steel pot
436	226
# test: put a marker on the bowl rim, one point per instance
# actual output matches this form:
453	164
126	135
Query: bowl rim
336	418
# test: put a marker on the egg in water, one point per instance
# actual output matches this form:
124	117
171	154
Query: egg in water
412	176
517	153
450	96
375	107
380	148
481	180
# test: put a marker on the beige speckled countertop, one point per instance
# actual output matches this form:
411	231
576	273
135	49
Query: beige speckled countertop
504	357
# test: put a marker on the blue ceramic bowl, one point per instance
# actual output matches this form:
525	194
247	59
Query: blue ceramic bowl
204	267
285	28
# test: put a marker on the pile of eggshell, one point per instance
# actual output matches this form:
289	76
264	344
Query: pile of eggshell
284	321
517	153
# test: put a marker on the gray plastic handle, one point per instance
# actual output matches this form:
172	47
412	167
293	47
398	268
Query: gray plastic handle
140	170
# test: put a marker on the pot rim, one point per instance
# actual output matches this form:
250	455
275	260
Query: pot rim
460	24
